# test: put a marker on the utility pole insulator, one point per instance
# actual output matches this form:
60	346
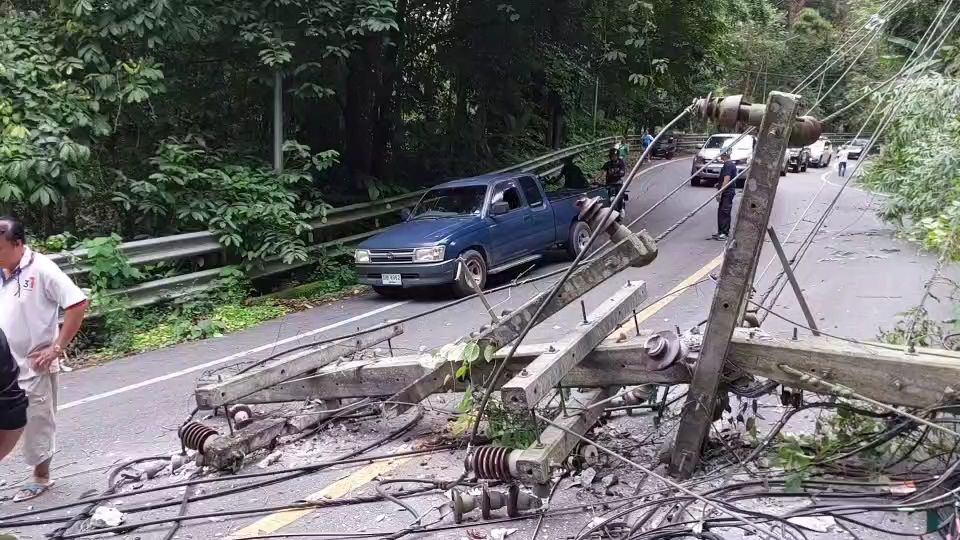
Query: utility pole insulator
728	111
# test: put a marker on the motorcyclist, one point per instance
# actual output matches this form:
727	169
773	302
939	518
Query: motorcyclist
614	171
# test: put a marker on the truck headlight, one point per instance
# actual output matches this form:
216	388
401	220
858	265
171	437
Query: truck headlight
430	254
361	256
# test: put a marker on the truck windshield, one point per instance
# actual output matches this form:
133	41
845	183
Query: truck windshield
451	201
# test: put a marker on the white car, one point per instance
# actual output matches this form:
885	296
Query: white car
740	153
821	152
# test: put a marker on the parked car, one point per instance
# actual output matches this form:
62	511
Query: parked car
664	148
855	148
492	222
821	152
798	159
741	153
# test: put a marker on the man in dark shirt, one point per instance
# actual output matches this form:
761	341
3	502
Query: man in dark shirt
13	400
573	177
724	212
615	169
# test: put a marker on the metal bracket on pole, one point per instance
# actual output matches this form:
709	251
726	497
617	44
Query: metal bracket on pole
734	283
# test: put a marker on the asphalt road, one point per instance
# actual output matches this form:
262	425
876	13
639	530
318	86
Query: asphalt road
857	277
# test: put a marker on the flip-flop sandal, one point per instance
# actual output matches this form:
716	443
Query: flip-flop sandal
31	490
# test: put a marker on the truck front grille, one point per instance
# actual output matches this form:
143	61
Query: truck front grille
387	256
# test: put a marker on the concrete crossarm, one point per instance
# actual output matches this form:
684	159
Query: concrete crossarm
533	383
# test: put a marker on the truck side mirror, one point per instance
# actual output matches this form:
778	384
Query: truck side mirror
405	214
499	208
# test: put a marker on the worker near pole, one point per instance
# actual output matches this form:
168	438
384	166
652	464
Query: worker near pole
614	171
13	400
725	211
33	290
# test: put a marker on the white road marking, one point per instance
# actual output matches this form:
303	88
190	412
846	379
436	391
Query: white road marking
232	357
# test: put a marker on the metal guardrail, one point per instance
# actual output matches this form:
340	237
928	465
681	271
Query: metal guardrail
206	252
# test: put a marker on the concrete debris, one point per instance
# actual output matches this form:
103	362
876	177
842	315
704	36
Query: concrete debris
152	469
272	458
822	524
500	534
610	480
176	461
588	476
380	518
106	516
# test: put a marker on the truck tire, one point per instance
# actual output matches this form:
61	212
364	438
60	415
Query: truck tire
476	266
577	240
695	181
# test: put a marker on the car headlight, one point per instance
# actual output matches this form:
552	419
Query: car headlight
361	256
430	254
699	160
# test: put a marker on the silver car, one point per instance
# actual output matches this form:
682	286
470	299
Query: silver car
821	152
740	153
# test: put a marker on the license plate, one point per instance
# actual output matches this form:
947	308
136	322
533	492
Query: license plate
391	279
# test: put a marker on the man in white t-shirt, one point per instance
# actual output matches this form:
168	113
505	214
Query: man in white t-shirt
842	157
33	290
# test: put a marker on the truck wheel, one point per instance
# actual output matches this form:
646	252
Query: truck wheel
579	235
695	181
476	269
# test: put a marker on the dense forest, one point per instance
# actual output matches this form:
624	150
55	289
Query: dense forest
148	117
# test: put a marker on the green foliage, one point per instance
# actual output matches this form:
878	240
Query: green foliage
920	165
254	210
55	244
108	268
914	325
212	314
58	95
842	432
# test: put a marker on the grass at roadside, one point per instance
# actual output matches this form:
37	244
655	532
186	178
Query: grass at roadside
229	308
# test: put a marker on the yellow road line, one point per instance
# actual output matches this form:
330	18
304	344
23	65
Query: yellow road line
675	292
341	488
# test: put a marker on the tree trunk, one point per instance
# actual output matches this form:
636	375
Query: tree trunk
388	103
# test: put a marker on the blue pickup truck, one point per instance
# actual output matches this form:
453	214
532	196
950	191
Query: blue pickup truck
492	222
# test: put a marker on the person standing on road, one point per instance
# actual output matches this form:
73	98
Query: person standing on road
33	290
13	400
725	211
842	158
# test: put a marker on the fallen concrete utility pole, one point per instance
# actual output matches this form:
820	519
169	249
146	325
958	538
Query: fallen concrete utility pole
735	281
882	372
286	367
